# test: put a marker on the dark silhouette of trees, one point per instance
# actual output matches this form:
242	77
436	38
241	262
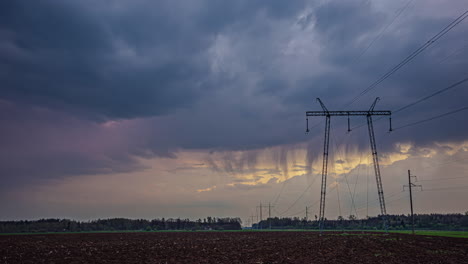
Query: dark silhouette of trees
118	224
395	222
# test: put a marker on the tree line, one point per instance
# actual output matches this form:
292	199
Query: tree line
394	222
118	224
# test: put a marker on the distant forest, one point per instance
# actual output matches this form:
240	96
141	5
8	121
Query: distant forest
118	224
395	222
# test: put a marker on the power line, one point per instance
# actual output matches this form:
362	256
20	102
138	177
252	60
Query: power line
353	205
399	12
444	179
448	188
431	95
356	182
337	187
314	204
374	203
298	213
432	118
447	161
311	205
363	205
454	85
453	53
279	194
410	57
300	196
338	196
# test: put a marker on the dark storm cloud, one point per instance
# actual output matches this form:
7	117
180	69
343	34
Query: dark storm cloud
222	76
115	59
68	59
64	63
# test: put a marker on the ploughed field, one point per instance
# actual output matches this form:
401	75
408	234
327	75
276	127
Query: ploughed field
231	247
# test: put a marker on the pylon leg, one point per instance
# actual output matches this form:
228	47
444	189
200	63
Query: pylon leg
383	210
324	174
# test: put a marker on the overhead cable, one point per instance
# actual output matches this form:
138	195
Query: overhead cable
432	118
410	57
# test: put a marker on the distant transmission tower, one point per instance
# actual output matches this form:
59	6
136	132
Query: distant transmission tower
328	114
252	220
269	213
261	216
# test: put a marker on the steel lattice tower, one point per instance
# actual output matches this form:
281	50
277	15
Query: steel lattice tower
369	113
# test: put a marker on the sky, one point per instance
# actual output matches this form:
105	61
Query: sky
151	109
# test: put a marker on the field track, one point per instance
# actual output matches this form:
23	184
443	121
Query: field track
231	247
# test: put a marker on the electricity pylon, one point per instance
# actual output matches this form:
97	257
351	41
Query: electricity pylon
261	216
328	114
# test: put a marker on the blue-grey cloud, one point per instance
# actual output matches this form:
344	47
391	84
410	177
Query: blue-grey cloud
213	75
118	59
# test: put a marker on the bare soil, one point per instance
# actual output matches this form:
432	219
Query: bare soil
231	247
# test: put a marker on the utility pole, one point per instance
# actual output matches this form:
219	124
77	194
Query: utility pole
261	210
410	186
269	210
369	113
307	214
252	217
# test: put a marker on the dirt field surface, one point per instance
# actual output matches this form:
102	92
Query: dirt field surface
231	247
